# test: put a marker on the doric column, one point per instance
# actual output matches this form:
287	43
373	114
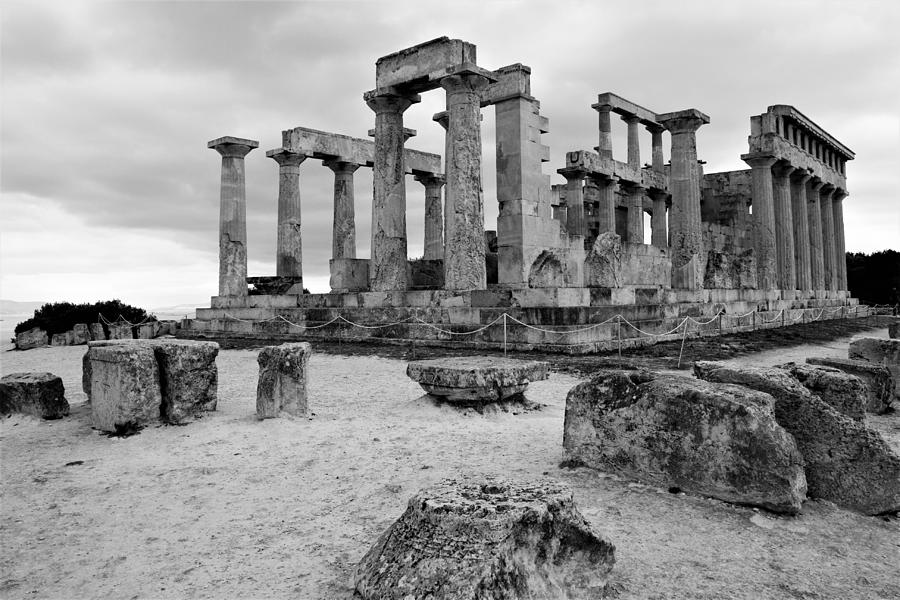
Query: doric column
784	226
434	218
840	249
686	241
606	205
233	214
575	222
763	220
814	213
635	233
604	147
387	266
464	267
659	232
343	224
828	246
656	144
802	263
634	141
288	248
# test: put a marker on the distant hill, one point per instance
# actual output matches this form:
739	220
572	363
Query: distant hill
13	307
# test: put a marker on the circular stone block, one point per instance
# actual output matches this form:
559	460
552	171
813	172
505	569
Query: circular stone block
476	378
488	538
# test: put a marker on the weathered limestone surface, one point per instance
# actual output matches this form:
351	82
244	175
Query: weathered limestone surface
764	220
189	378
489	538
814	213
846	462
894	330
38	394
186	375
784	227
233	214
80	334
125	390
717	440
464	266
288	246
603	265
343	233
434	216
880	352
476	378
121	331
33	338
846	393
282	380
86	374
60	339
877	378
147	331
97	332
800	219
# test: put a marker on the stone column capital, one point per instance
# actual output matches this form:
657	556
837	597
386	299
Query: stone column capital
601	108
654	128
285	157
389	103
232	147
465	82
442	118
572	173
657	194
827	191
407	133
631	119
341	166
783	169
683	121
816	184
839	195
759	161
801	176
430	179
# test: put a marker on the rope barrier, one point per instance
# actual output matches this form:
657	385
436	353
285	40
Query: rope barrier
619	320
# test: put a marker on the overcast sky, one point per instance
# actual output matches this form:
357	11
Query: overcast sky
109	190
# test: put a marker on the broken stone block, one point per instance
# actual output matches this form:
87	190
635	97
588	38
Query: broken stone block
189	377
97	332
33	338
671	431
80	334
488	538
120	331
59	339
894	330
878	380
476	378
86	374
846	393
846	462
125	392
282	380
880	352
147	331
38	394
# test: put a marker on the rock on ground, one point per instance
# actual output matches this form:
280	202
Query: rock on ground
845	393
97	332
125	392
80	334
33	338
38	394
120	331
485	539
282	380
878	379
894	330
86	374
189	377
711	439
846	462
880	352
476	378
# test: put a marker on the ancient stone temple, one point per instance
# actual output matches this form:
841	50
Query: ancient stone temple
566	264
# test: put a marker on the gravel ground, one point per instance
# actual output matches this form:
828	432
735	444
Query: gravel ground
231	507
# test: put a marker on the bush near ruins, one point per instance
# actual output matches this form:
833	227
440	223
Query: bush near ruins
59	317
874	278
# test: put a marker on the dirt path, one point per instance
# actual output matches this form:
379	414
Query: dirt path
231	507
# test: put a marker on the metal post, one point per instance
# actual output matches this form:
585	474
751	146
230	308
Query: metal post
504	334
619	333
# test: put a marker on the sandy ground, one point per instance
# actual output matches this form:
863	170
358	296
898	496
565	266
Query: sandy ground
232	507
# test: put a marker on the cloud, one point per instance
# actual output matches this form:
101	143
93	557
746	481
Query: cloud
107	107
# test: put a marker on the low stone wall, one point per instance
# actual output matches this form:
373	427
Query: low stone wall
83	333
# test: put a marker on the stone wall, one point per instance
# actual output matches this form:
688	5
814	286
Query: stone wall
729	257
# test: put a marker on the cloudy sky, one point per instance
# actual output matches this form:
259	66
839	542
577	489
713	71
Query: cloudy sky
108	188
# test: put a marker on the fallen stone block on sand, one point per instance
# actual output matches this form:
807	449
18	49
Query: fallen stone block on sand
125	393
488	539
97	332
147	331
121	331
187	376
80	334
38	394
846	462
476	378
282	380
845	393
894	330
878	379
881	352
33	338
716	440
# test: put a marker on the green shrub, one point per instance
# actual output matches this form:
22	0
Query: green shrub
60	317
